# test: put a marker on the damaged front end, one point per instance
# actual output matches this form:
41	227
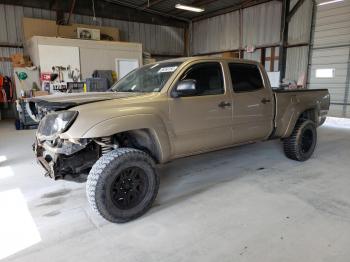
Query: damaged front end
38	109
63	158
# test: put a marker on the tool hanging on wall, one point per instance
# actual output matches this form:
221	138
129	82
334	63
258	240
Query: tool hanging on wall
59	70
74	74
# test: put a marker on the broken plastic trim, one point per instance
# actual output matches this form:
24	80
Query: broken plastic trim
66	147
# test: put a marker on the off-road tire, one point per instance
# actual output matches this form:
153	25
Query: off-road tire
302	142
100	183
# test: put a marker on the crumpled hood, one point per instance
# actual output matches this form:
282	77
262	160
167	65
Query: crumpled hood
39	106
75	99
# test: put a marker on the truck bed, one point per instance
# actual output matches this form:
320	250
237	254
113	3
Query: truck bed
289	104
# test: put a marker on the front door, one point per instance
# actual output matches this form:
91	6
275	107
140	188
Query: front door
252	101
203	121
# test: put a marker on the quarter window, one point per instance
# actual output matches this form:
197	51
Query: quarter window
208	76
245	77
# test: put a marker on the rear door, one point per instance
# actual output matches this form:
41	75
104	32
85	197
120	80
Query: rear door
203	121
252	101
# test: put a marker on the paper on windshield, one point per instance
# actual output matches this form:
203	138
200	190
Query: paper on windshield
167	69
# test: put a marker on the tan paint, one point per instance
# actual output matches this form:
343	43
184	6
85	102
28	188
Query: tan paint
191	125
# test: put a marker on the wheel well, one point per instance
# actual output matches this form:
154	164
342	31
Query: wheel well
309	114
142	139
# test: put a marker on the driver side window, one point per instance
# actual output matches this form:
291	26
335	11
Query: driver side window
208	77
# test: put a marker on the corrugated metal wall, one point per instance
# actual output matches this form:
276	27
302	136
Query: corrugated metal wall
299	33
299	25
297	59
156	39
262	24
331	50
260	27
216	34
11	21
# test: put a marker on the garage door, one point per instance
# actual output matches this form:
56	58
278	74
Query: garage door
331	54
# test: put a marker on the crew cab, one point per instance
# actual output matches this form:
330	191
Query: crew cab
161	112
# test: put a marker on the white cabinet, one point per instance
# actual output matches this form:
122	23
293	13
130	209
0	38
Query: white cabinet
87	55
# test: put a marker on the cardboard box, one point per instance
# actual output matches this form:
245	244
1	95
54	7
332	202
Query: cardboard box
147	61
19	60
230	54
43	27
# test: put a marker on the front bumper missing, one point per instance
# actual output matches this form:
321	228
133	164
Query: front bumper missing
40	154
65	158
46	166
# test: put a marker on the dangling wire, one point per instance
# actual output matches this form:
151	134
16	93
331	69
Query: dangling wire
93	10
94	19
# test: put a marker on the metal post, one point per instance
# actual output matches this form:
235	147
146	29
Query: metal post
347	87
311	39
284	39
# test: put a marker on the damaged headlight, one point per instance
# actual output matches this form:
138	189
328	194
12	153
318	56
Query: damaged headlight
55	123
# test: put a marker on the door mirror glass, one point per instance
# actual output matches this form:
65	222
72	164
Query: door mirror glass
185	88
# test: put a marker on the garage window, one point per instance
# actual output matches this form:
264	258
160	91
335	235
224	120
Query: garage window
245	77
208	77
325	73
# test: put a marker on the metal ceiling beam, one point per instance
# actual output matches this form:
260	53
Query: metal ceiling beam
294	10
52	3
235	7
151	3
147	10
105	9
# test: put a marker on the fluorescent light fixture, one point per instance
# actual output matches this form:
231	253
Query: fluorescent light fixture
189	8
330	2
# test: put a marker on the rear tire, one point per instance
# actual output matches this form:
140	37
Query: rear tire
122	185
302	142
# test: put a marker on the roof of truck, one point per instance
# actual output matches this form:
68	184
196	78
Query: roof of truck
198	58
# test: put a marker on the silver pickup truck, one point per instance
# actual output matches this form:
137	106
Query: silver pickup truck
161	112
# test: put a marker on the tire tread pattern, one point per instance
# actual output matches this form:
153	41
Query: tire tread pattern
290	144
96	172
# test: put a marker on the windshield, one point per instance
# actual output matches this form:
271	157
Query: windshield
150	78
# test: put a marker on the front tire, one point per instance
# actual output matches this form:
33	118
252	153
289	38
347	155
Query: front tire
302	142
122	185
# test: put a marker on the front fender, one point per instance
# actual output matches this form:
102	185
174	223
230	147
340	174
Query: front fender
119	124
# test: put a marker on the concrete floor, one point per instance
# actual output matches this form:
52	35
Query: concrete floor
249	203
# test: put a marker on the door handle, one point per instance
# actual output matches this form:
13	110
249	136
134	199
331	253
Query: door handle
264	100
224	104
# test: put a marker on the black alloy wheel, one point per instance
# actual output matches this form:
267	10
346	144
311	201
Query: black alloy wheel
306	141
122	185
129	188
302	142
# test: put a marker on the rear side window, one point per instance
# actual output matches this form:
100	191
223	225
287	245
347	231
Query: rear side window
208	76
245	77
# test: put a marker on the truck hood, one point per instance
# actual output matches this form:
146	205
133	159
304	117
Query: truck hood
38	107
65	101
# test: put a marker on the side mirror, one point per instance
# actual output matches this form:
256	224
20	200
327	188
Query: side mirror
185	87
